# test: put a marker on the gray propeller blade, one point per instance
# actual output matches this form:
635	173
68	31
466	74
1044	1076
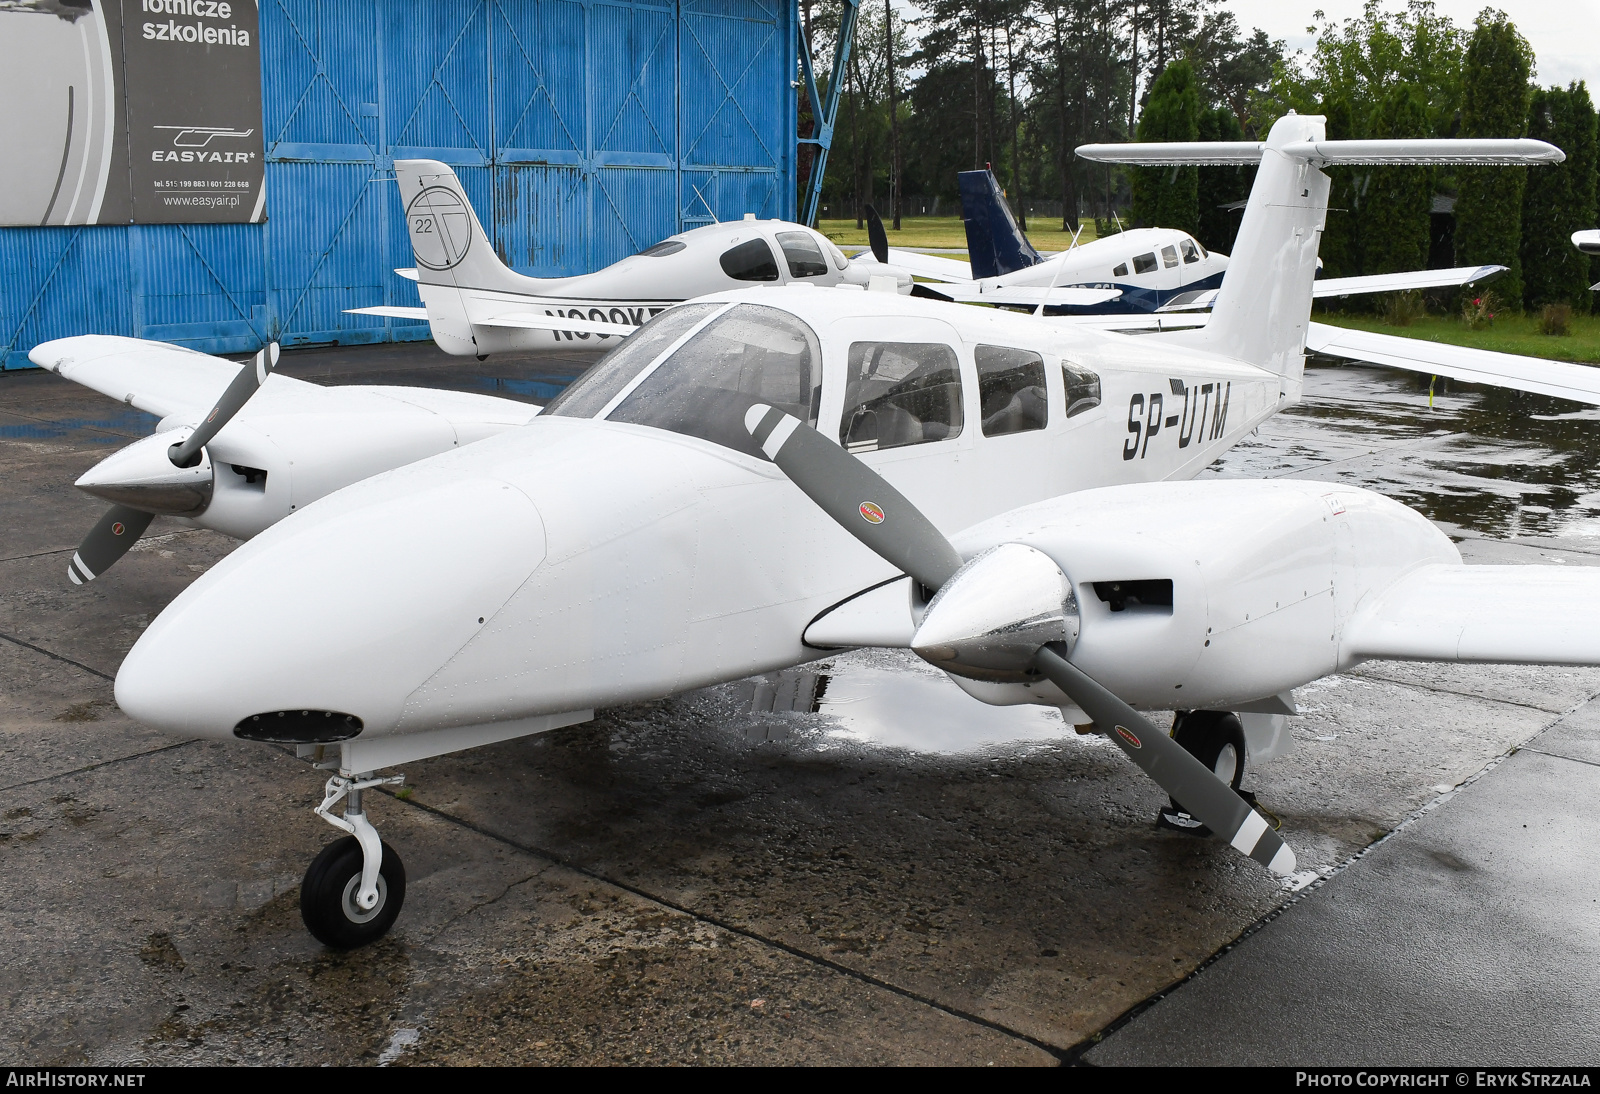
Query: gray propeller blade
876	236
855	496
879	516
107	541
244	385
1191	784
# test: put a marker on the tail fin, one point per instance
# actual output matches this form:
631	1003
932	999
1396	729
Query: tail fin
1263	308
995	244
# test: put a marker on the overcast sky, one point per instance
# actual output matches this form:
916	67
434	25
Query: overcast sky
1565	34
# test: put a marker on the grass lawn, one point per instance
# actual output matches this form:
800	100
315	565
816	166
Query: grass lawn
1044	232
1510	334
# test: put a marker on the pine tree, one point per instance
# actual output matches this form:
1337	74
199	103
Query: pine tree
1583	161
1397	203
1553	270
1166	197
1494	103
1220	186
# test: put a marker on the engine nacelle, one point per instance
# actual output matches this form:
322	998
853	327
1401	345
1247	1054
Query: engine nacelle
1213	594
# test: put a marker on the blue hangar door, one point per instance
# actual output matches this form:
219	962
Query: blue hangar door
583	130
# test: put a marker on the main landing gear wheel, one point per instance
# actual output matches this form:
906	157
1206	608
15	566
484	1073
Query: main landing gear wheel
1216	739
329	896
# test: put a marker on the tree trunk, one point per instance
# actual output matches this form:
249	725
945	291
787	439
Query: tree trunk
895	195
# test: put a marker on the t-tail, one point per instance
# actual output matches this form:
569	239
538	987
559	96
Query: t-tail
1263	308
452	252
995	245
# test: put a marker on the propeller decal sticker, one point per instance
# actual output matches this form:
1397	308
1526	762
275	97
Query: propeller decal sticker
117	529
871	513
1127	735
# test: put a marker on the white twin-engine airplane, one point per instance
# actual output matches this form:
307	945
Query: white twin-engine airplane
758	477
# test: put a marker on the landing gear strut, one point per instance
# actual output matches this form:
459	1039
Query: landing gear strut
353	889
1216	739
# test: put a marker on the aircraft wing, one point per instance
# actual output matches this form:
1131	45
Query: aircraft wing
1356	286
1030	296
1563	379
538	321
1546	615
392	313
154	377
1403	282
920	265
1132	323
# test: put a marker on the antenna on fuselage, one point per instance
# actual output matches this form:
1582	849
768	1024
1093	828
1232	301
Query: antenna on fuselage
706	203
1039	311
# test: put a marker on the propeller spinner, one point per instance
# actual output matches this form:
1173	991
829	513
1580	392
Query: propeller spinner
1005	614
122	524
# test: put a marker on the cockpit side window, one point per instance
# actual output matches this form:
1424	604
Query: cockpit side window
1145	263
665	247
1169	257
1190	254
802	254
588	394
1120	271
1083	389
750	261
753	354
1011	390
900	393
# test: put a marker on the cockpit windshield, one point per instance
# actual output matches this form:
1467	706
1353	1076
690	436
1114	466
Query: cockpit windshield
752	354
588	394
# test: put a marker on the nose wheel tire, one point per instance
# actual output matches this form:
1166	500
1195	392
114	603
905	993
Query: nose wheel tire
1216	739
328	903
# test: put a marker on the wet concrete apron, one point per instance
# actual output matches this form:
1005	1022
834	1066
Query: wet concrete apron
853	863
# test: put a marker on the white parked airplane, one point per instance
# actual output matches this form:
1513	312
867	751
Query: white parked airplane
475	304
1150	270
1589	243
760	476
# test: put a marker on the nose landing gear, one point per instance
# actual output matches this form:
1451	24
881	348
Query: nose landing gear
354	888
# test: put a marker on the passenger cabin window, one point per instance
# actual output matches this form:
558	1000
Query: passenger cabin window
1169	256
588	394
665	247
900	393
1145	263
1011	390
1120	271
801	252
1083	388
750	261
751	354
1190	254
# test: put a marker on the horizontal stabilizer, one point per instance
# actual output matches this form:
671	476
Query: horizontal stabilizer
1563	379
407	272
392	313
1533	615
1325	153
1133	322
527	320
1030	296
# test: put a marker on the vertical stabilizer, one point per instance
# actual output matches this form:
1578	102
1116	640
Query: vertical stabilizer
995	245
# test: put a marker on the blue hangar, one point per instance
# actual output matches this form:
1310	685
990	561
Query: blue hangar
583	130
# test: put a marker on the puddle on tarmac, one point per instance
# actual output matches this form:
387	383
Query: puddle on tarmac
889	699
1481	461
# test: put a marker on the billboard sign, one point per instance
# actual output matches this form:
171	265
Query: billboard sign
130	111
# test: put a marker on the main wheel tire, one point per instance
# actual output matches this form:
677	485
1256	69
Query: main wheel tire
1216	739
328	892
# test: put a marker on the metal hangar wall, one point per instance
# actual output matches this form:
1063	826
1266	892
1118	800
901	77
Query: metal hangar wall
583	130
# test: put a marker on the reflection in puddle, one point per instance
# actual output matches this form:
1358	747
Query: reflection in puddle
887	699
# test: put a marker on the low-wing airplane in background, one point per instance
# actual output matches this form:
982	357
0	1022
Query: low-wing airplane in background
760	476
1150	270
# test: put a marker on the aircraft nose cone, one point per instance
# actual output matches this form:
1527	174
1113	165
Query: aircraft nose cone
344	608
